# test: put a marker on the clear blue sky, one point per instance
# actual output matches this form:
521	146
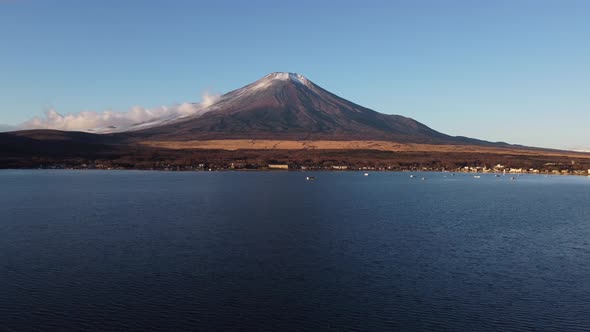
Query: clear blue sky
515	71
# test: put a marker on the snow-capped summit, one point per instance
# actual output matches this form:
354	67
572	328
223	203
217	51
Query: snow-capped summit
284	76
276	78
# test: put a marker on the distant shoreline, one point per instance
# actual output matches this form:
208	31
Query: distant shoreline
297	170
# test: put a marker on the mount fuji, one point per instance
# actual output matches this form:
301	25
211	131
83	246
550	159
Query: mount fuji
282	116
288	106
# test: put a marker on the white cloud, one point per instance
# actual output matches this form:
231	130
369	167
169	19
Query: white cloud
90	121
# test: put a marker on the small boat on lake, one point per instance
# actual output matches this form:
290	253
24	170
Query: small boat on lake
366	174
477	176
310	178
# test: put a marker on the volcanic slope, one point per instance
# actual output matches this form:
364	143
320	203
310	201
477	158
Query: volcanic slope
288	106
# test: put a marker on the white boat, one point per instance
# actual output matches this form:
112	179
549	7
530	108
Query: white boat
412	176
366	174
310	178
477	176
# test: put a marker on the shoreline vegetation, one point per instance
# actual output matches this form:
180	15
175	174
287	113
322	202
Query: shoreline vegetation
294	170
341	161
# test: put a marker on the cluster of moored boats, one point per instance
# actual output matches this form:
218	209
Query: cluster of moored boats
312	178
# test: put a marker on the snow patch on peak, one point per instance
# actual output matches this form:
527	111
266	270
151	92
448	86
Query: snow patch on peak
284	76
278	76
272	78
296	78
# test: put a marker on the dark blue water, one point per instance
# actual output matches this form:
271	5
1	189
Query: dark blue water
91	250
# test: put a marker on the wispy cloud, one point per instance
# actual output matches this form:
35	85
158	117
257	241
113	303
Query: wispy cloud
90	120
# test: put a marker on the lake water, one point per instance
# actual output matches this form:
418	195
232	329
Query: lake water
131	250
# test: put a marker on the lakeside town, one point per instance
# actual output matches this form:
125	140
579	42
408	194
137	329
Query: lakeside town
549	169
